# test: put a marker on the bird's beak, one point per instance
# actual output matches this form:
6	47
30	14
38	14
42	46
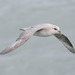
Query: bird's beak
60	32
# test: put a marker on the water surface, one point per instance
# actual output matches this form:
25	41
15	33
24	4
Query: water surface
38	56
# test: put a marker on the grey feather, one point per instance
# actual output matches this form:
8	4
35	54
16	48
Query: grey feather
38	30
20	41
24	36
65	42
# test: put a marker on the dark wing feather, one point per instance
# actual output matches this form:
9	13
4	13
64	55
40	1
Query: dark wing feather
66	42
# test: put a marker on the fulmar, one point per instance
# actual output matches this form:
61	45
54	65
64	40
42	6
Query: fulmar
41	30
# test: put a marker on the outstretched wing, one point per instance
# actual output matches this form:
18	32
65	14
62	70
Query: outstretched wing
66	42
24	36
21	40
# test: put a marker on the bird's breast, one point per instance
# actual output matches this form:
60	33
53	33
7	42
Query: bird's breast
42	33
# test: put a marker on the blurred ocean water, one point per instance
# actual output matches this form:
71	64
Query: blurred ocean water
38	56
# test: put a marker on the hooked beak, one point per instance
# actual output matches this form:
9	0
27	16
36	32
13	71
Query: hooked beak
60	32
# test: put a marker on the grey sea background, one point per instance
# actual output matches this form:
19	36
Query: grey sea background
39	55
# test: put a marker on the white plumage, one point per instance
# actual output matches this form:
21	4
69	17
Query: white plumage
42	30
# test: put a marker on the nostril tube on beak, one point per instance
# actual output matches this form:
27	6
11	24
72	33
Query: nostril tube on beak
60	32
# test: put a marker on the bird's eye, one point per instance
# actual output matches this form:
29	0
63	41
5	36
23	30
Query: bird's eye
55	28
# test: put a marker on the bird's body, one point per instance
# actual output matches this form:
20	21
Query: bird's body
42	30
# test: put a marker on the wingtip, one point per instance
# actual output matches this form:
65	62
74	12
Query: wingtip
71	49
23	29
2	53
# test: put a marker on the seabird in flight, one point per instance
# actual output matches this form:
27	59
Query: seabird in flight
41	30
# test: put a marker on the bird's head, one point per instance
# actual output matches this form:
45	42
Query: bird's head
55	30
